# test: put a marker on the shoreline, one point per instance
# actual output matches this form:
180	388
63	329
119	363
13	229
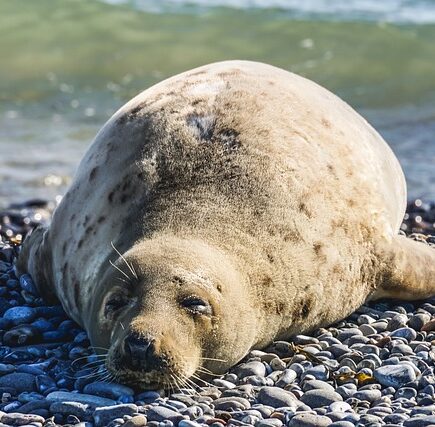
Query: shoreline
376	367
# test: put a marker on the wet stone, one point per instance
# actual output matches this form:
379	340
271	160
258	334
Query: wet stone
80	410
395	375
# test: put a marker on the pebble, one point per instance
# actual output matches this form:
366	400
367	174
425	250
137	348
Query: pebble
276	397
80	410
137	421
103	416
231	403
65	396
17	419
160	413
394	375
320	397
19	315
309	420
110	390
19	381
250	368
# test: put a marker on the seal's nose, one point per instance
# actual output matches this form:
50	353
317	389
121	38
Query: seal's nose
140	351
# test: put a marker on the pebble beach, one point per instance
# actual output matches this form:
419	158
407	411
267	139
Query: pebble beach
374	368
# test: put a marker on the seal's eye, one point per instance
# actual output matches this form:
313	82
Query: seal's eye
197	305
115	303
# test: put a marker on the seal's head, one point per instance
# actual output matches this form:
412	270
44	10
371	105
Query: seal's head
169	311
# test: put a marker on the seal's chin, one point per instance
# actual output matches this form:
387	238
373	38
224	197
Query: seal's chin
164	373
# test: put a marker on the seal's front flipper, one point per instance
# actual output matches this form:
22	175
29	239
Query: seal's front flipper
408	270
36	260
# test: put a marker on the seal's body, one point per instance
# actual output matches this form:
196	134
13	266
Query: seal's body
222	209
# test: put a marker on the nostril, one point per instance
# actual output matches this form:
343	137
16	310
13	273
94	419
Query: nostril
138	349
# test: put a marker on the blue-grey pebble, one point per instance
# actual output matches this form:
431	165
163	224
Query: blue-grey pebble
309	420
394	375
369	395
103	416
80	410
19	381
276	397
319	372
250	368
110	390
28	285
19	315
232	403
160	413
317	384
288	376
342	423
320	397
269	422
422	421
396	419
66	396
18	419
188	423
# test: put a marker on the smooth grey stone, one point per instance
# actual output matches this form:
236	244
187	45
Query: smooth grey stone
406	392
320	397
288	376
397	321
367	330
80	410
407	333
160	413
232	403
420	421
394	375
66	396
304	340
380	326
346	390
110	390
276	397
347	333
137	421
339	407
342	423
395	418
418	320
249	369
17	419
224	384
319	372
402	349
19	315
19	381
352	342
277	364
316	384
188	423
372	420
269	422
103	416
346	361
309	420
369	395
339	350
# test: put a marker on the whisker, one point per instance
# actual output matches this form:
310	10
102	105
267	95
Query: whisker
122	272
126	263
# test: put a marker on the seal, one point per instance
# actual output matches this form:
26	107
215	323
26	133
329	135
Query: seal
222	209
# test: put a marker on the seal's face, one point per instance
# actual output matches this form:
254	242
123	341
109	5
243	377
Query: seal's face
165	322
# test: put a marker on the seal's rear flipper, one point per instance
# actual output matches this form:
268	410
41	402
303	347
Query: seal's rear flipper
408	270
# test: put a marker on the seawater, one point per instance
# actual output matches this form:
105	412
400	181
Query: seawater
67	65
